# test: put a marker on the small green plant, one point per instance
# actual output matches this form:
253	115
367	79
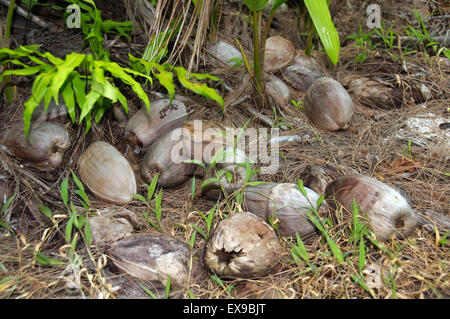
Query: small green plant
359	233
388	36
444	240
156	207
44	260
77	225
168	286
237	62
299	250
424	39
363	41
62	76
154	296
94	27
407	151
3	209
81	192
208	219
81	222
298	104
5	34
357	236
390	41
320	223
148	291
219	282
190	294
360	281
164	74
273	220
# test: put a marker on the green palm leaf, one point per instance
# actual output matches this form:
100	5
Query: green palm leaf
320	15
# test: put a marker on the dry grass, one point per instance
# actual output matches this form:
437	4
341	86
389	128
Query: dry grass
415	267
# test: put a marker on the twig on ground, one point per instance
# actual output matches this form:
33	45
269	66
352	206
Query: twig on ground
20	11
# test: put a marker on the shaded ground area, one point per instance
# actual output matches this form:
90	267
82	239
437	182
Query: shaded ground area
407	146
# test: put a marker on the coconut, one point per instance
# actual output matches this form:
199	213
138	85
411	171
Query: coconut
282	203
278	90
153	258
388	212
225	53
328	104
112	224
242	246
317	177
303	72
278	54
373	93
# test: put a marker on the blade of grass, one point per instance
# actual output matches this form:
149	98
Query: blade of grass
337	253
357	279
65	191
148	291
168	283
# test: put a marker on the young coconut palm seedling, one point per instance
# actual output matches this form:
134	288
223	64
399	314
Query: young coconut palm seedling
86	81
322	24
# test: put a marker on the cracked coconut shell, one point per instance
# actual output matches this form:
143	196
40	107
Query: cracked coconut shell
152	258
242	246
